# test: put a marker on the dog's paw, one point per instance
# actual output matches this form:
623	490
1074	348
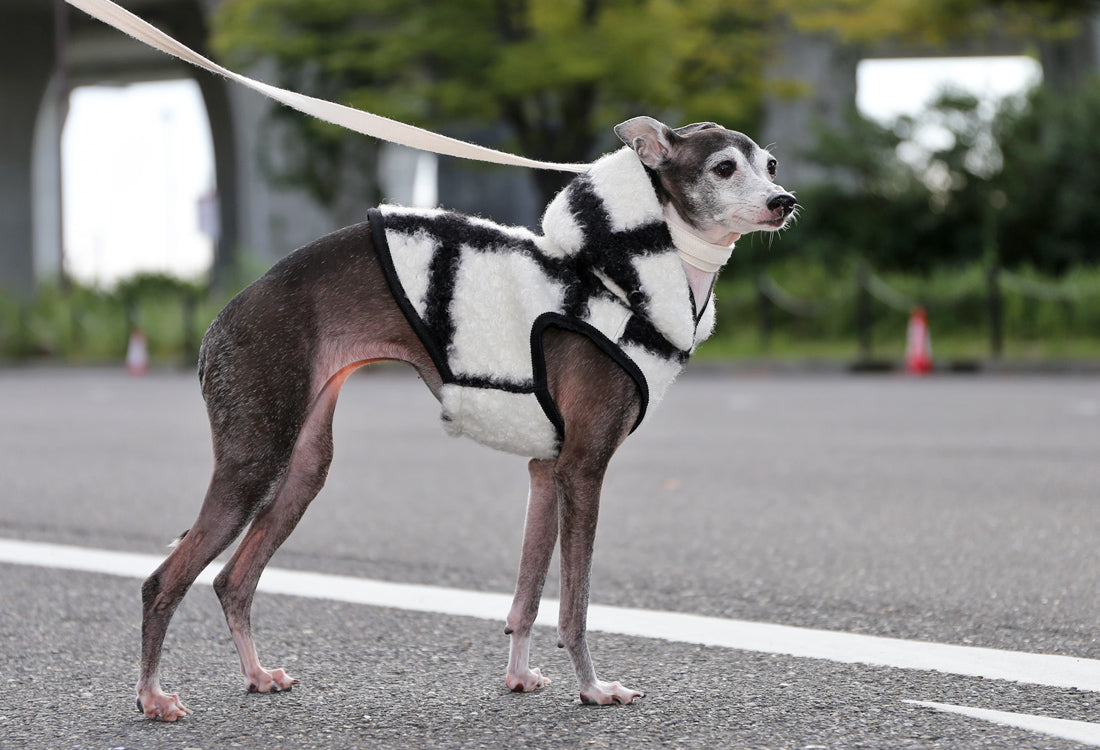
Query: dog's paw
526	681
269	681
608	693
156	704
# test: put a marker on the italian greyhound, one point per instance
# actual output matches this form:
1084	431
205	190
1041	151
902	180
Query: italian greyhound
274	360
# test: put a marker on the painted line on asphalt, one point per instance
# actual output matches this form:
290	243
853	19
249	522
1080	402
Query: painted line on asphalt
1077	731
849	648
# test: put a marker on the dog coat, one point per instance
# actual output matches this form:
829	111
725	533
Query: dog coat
480	296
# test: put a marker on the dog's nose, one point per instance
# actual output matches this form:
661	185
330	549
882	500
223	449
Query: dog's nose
781	204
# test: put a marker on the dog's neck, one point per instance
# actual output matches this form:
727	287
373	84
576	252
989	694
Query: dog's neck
702	254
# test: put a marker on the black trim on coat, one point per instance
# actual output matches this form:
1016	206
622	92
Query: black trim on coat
382	248
606	345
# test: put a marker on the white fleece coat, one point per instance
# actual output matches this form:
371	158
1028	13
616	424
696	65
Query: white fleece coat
480	295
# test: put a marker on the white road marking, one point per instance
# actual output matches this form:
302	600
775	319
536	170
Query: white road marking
850	648
1077	731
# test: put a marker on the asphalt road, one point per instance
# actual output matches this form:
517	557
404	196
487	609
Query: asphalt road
950	509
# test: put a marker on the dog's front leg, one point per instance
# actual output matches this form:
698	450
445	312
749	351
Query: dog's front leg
579	498
599	403
539	537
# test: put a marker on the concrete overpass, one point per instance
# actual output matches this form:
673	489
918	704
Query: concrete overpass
42	60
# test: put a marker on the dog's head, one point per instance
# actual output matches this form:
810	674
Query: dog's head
718	180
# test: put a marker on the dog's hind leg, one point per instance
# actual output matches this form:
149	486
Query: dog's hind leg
304	478
539	537
256	412
229	501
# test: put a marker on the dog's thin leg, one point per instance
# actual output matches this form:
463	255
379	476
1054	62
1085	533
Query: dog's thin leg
599	403
539	537
236	584
579	497
222	517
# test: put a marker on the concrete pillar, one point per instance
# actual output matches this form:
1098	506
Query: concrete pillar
26	54
813	85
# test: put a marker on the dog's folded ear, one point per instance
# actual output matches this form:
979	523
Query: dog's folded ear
651	139
694	127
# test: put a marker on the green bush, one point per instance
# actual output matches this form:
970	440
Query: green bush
84	325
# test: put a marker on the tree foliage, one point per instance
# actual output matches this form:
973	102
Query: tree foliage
556	73
1019	183
931	22
1051	180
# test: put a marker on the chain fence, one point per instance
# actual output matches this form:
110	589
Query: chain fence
85	326
870	288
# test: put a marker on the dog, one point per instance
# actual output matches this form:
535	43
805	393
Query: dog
623	278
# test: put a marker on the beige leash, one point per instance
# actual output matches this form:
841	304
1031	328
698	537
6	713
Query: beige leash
338	114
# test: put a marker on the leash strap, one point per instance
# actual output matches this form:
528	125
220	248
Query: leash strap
338	114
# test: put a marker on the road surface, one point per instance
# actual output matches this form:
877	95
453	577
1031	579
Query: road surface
947	510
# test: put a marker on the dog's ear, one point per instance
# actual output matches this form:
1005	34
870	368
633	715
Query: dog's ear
695	126
651	139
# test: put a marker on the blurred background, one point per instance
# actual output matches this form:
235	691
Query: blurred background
943	152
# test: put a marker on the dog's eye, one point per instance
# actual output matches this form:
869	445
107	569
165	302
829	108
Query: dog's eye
724	169
772	164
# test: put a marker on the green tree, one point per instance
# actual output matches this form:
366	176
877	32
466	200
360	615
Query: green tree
1050	180
1021	182
556	73
931	22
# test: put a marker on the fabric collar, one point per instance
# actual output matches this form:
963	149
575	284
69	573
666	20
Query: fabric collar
695	251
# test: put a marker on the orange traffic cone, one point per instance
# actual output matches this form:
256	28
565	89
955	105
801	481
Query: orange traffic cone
137	354
918	345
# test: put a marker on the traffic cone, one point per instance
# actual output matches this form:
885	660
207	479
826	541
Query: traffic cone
918	345
137	354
